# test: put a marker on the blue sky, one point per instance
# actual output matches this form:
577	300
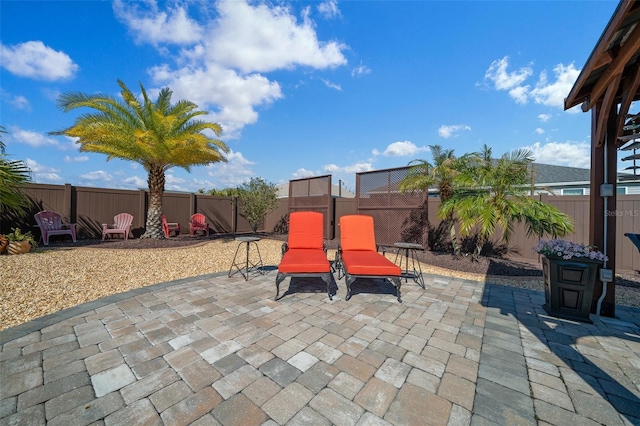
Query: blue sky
303	88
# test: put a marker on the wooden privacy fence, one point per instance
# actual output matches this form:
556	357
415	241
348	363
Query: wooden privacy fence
91	207
398	217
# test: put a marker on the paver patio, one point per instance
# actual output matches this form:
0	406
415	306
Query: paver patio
217	350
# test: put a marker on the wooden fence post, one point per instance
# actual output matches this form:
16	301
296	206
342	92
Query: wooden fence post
142	209
68	213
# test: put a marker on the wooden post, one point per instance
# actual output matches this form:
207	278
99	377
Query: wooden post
68	214
141	217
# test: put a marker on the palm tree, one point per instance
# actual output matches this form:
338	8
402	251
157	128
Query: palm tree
157	135
442	175
493	194
13	173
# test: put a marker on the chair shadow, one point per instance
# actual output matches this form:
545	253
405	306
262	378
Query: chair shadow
309	285
372	286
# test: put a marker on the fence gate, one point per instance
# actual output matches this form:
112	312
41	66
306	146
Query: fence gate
397	216
313	194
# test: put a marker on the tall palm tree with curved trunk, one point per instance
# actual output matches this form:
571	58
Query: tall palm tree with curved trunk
493	193
157	135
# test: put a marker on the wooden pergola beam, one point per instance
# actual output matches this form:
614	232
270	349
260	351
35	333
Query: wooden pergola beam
629	88
614	69
607	104
600	55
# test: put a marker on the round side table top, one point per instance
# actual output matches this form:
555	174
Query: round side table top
248	239
409	246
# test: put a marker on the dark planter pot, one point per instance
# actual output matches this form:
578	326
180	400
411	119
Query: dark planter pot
568	287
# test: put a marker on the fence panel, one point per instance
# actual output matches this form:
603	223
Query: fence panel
313	194
95	206
627	221
397	216
219	211
277	220
176	206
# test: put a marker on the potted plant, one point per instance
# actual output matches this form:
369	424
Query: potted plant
569	272
20	242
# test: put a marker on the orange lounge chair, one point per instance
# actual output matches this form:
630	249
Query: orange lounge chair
121	225
198	223
169	227
50	223
305	254
358	256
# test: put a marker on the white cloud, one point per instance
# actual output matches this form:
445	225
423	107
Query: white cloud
401	149
20	102
360	71
520	94
553	93
219	64
545	92
233	95
572	154
171	179
539	131
329	9
331	85
153	26
448	131
303	173
33	139
97	175
42	173
544	117
135	182
353	168
80	159
265	38
234	172
504	80
51	94
33	59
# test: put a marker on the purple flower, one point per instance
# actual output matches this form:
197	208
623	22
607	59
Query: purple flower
568	249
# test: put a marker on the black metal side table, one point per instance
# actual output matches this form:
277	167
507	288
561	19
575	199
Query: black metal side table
410	252
244	266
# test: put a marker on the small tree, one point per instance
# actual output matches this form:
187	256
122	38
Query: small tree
257	199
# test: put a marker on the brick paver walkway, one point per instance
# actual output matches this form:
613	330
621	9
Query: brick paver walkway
217	350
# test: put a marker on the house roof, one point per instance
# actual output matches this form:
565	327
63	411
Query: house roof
549	173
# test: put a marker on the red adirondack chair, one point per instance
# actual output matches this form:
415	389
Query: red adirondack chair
169	227
50	223
198	223
121	225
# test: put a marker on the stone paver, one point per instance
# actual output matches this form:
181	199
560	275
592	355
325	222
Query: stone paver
214	350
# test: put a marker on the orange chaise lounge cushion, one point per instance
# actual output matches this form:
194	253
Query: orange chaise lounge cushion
369	263
301	261
304	252
305	244
356	233
306	231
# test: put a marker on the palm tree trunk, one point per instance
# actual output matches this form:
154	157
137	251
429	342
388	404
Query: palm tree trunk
154	212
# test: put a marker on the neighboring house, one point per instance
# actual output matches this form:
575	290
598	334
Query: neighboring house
562	180
336	191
